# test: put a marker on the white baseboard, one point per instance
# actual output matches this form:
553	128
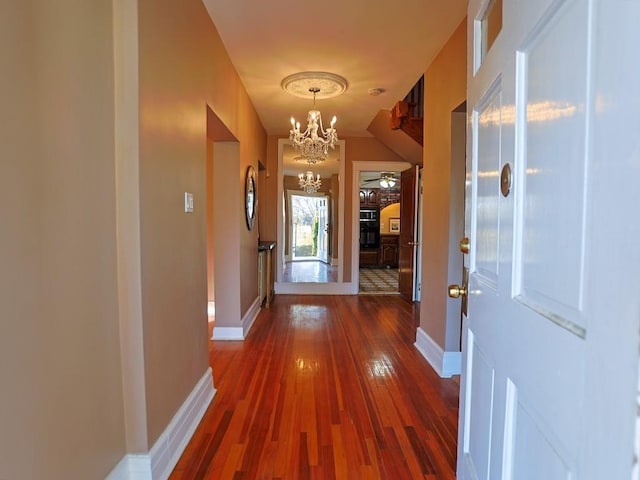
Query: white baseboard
329	288
250	317
238	333
129	468
446	364
227	333
163	456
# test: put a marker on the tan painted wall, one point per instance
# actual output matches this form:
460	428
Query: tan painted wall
445	89
61	413
268	191
226	251
184	68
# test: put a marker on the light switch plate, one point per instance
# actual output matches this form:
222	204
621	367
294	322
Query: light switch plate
188	202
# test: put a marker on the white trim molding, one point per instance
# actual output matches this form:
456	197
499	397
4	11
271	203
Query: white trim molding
163	456
329	288
239	333
445	364
310	288
364	166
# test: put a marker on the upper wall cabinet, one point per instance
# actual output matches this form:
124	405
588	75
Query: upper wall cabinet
369	197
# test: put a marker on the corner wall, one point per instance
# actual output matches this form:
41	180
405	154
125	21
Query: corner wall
445	89
183	69
61	406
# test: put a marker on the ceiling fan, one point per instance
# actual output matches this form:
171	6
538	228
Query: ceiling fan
385	180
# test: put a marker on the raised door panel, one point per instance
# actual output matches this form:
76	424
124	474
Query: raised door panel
389	255
547	333
389	250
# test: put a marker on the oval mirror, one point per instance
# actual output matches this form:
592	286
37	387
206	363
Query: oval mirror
250	196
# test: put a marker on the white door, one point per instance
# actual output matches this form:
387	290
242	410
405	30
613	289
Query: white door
550	346
323	226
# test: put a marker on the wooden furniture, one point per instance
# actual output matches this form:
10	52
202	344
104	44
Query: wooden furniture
389	250
369	257
378	197
369	197
265	272
386	255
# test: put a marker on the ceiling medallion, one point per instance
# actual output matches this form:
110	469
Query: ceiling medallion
329	85
314	142
309	159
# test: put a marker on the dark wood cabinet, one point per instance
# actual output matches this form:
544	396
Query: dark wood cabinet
369	197
389	250
369	257
386	255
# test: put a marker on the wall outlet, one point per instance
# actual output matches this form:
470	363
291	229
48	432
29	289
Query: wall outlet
188	202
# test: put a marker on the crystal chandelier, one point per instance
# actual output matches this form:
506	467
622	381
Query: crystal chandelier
308	183
315	141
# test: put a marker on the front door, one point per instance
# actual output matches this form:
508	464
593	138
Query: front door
550	345
323	230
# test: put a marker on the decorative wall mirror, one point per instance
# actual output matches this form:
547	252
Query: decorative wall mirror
250	196
305	266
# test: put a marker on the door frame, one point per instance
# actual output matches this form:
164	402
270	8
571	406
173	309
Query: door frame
300	193
309	288
417	281
364	166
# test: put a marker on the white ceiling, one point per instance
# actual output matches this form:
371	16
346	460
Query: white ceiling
372	43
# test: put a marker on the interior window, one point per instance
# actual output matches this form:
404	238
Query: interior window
490	25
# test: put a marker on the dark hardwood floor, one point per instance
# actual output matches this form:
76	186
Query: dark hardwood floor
326	387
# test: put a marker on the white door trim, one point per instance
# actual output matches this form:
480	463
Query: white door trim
364	166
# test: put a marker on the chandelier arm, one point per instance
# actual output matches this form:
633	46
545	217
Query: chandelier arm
311	143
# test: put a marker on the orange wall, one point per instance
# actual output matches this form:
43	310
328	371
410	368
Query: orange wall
445	89
183	69
61	408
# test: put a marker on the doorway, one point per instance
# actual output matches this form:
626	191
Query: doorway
379	198
372	254
308	231
330	248
223	253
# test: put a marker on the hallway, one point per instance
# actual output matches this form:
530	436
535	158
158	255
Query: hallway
326	387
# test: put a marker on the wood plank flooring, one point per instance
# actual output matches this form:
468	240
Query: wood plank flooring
326	387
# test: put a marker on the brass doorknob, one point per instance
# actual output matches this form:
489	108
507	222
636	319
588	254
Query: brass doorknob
464	245
456	291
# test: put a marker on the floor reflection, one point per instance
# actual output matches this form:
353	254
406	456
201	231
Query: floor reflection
313	271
